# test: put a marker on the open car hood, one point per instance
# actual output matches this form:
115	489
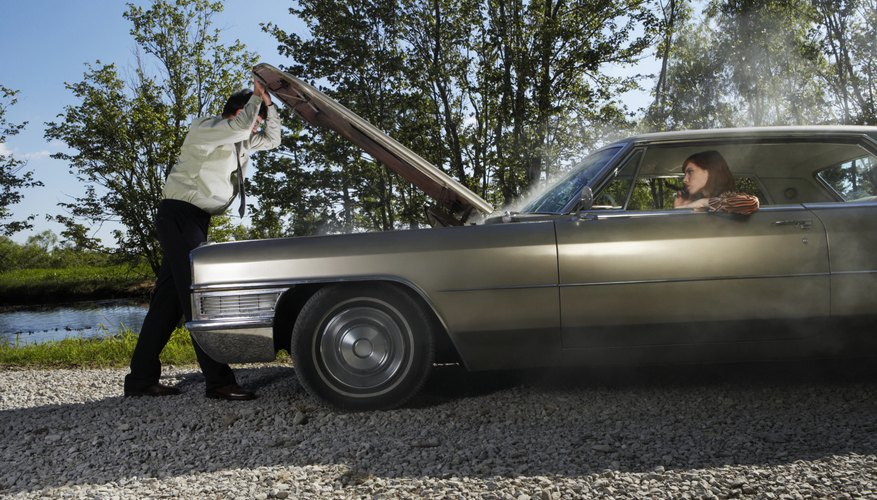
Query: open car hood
456	201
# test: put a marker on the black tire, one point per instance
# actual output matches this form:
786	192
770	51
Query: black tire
362	346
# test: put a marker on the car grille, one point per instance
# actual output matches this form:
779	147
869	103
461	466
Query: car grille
238	305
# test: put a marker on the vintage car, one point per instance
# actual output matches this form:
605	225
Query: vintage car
597	268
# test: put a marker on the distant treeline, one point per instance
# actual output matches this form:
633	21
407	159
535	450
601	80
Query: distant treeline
44	251
41	271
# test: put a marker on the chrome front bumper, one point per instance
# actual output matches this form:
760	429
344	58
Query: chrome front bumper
235	326
229	342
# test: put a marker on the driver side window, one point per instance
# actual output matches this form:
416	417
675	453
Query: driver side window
635	189
654	193
648	193
614	194
657	193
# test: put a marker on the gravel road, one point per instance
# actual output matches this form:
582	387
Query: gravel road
725	432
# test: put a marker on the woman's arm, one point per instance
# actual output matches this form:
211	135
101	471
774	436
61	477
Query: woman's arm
734	203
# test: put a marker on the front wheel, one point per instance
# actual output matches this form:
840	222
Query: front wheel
362	347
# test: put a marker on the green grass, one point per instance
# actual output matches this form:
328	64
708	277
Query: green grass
109	351
30	286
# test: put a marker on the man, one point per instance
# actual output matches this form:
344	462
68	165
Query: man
204	182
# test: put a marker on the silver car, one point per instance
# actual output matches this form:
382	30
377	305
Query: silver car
597	268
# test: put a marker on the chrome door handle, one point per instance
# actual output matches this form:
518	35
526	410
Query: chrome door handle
801	223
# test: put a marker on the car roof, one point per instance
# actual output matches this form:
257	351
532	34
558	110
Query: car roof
785	132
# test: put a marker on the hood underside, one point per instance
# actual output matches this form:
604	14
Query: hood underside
456	201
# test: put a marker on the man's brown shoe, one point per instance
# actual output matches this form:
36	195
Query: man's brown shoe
153	390
231	392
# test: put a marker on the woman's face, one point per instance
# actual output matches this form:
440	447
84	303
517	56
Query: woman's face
695	178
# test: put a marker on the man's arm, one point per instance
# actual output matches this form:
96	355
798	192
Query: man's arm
269	136
217	131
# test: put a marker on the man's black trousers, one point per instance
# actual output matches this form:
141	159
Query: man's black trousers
181	228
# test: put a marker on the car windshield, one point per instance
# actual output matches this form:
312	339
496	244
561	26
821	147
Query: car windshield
561	192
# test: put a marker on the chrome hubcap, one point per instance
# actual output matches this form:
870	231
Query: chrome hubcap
362	347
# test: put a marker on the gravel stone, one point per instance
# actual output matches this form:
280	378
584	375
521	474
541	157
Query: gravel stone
71	434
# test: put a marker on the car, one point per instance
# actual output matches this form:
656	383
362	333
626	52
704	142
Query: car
596	268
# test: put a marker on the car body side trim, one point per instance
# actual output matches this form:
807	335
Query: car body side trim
637	282
510	287
691	280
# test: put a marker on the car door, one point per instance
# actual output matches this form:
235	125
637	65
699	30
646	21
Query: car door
852	231
851	226
677	276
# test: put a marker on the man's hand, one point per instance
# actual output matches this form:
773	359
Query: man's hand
260	91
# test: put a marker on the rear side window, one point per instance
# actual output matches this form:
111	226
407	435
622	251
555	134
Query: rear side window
853	180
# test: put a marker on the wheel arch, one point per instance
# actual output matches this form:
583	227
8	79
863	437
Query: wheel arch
293	300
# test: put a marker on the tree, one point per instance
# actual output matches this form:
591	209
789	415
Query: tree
497	93
771	61
848	30
327	184
746	62
12	178
674	15
126	136
695	90
545	64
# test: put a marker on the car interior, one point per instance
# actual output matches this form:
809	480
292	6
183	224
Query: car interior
777	172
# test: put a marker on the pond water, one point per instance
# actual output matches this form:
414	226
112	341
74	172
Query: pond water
87	319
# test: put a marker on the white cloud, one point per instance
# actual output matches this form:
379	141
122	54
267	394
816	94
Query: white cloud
36	156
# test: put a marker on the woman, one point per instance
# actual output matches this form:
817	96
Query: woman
709	184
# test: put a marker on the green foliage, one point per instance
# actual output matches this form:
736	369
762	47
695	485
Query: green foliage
498	94
761	62
223	228
12	176
126	135
696	94
50	285
325	184
111	350
770	61
847	31
546	84
44	250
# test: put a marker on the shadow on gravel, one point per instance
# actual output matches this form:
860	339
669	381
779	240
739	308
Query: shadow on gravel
568	423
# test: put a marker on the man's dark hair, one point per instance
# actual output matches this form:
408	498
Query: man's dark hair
238	100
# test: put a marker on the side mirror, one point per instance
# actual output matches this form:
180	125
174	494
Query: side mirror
586	200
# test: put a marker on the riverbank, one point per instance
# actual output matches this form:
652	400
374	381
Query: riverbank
109	351
52	286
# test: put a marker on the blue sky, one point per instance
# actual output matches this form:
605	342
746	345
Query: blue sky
48	42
